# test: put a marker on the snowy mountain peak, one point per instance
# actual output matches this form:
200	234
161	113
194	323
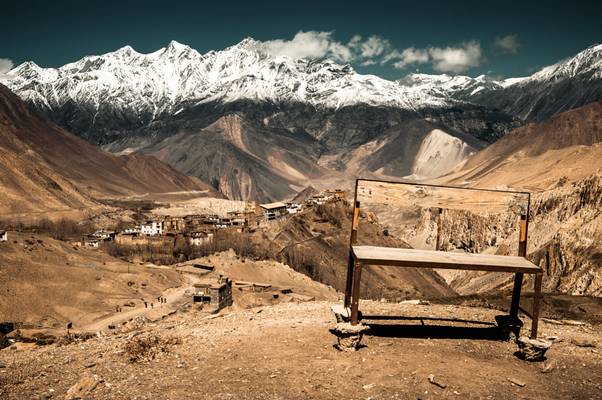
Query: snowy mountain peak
589	61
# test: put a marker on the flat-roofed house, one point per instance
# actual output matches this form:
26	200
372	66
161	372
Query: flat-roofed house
151	228
273	211
92	241
214	294
200	238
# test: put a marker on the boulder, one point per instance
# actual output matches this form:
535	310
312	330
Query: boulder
348	336
532	349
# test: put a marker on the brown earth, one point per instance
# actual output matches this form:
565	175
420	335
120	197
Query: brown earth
316	243
47	168
286	352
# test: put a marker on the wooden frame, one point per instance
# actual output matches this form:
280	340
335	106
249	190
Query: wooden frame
356	263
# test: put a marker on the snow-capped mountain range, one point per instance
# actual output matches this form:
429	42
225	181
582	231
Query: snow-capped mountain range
167	101
176	77
170	77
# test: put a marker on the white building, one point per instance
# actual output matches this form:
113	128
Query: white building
131	231
151	228
293	208
3	236
273	211
105	235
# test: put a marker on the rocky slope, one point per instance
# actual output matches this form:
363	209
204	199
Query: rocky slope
46	167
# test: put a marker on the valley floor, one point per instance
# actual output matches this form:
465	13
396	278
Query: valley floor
285	351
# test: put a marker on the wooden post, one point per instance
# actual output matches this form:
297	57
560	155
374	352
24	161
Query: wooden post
352	241
355	296
438	244
518	278
536	301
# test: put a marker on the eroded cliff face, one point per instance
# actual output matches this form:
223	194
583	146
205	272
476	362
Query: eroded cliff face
565	238
568	232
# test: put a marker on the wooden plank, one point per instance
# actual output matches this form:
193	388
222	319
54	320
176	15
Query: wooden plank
373	255
399	194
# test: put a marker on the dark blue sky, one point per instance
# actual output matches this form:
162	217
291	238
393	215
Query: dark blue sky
54	33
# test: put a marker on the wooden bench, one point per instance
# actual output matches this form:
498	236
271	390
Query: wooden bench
360	256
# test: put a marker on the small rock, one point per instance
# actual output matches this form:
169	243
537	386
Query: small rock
583	343
517	382
90	364
548	367
2	365
432	380
83	388
369	386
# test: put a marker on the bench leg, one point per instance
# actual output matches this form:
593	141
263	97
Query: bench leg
536	301
518	283
348	284
355	293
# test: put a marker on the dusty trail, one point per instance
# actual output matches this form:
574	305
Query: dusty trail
173	296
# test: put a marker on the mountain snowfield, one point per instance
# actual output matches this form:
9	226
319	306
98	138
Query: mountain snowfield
310	115
177	76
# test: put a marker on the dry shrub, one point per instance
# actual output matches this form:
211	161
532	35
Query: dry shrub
333	213
147	347
61	229
304	261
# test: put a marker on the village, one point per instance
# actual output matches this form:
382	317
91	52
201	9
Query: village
199	229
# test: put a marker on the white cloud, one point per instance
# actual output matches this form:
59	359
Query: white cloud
5	66
507	44
374	46
376	50
456	59
311	44
409	56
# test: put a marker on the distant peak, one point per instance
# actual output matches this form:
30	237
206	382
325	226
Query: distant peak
176	45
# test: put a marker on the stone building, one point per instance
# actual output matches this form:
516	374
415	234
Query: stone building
213	295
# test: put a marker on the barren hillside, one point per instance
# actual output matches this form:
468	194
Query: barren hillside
45	167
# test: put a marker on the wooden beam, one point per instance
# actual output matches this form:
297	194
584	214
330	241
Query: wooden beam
518	278
355	294
352	241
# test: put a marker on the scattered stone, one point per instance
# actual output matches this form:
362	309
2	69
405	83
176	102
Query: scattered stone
2	365
369	386
385	344
341	313
83	388
532	349
548	367
573	322
416	302
90	364
432	380
348	336
517	382
583	343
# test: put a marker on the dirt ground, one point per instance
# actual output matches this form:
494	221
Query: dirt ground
286	352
